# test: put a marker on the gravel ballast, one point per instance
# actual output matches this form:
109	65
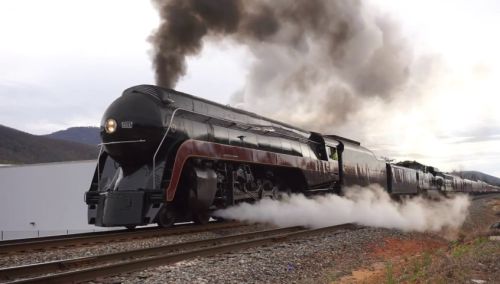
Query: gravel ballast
112	247
297	261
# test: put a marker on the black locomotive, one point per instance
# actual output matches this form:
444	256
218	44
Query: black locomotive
168	157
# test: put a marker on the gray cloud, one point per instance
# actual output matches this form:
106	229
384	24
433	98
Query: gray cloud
474	134
71	93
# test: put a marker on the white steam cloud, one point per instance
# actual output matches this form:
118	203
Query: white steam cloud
370	206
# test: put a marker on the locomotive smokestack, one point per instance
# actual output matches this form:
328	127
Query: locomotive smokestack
320	58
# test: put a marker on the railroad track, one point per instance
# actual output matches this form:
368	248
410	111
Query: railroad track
485	195
134	260
26	245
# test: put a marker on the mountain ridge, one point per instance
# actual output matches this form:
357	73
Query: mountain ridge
18	147
80	134
476	175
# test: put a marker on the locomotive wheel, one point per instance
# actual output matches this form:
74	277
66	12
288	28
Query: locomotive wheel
219	219
166	217
201	217
422	192
281	194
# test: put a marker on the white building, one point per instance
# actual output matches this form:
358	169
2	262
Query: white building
44	199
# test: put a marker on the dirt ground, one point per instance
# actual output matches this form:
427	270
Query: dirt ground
472	256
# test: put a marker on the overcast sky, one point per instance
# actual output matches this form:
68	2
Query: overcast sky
63	62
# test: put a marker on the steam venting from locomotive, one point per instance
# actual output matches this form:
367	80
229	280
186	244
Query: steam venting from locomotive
324	60
365	206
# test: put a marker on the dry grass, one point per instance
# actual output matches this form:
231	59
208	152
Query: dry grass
459	263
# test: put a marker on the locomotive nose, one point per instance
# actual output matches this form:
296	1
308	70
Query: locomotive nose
132	128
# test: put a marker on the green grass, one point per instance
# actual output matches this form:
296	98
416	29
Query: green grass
460	250
419	267
389	273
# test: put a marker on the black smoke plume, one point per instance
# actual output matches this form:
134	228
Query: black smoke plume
318	59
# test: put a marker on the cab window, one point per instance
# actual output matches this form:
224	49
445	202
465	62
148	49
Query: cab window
332	153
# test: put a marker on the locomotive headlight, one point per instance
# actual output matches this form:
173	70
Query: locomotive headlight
110	125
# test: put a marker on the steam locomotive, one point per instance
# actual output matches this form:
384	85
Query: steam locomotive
168	157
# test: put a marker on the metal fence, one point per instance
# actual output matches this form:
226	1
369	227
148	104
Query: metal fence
12	235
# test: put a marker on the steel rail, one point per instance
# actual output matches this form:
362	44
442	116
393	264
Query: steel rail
484	195
58	265
112	236
56	237
140	264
